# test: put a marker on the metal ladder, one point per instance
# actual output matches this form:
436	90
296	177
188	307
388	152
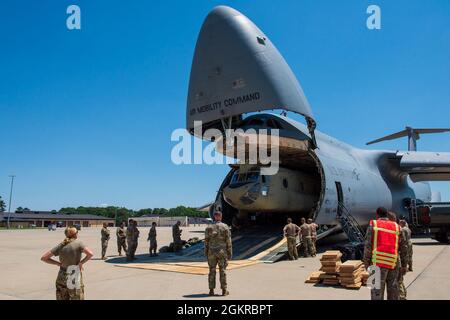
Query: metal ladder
349	225
414	215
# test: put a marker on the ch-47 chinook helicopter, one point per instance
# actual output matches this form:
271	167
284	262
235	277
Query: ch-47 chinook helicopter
237	74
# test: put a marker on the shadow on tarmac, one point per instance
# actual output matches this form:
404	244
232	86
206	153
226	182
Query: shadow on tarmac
431	243
197	296
146	258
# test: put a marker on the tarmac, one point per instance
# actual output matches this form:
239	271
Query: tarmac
24	276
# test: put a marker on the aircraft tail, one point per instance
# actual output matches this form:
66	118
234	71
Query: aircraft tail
412	134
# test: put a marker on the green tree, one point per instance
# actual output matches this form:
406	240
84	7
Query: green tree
68	210
123	214
186	211
2	205
143	212
117	213
19	210
160	211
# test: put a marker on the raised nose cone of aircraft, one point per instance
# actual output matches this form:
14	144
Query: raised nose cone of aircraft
221	13
236	70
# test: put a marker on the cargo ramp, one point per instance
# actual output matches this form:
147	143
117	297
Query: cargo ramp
250	245
281	252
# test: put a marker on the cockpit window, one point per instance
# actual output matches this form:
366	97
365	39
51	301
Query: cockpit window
241	177
256	122
246	177
235	177
263	122
252	176
273	124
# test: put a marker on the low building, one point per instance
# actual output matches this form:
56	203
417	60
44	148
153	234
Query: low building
147	220
41	219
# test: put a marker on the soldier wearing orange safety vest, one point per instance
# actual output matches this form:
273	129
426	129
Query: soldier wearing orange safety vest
386	248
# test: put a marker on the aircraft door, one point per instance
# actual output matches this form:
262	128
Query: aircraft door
340	197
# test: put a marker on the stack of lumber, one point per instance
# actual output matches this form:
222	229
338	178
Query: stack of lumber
350	274
364	277
330	279
331	262
314	277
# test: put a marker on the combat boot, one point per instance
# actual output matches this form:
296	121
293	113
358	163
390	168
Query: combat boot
211	292
225	292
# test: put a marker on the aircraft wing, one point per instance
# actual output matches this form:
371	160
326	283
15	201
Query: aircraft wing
425	166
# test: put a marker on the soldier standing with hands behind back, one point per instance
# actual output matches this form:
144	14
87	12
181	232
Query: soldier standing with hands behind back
291	231
307	245
218	250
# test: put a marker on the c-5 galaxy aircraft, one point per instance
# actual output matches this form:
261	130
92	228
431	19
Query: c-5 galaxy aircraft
237	74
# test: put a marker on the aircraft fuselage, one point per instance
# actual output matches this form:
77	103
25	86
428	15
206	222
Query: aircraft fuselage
362	180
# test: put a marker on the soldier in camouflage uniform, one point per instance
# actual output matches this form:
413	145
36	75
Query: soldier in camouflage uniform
314	227
152	239
136	238
291	231
121	238
405	226
176	234
307	245
69	252
218	251
406	234
389	277
130	240
105	238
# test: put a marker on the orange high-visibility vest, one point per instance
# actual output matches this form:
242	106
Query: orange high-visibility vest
385	240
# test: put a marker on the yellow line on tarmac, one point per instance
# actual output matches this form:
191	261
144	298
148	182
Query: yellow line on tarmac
266	252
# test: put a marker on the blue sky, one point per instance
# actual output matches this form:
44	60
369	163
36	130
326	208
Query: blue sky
86	116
